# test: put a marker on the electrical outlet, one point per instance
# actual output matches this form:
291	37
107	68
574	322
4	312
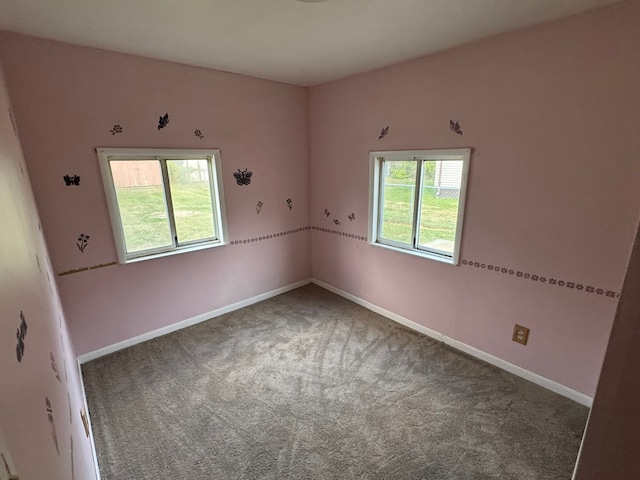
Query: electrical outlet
520	334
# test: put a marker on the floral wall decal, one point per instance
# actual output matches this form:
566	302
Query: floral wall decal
164	120
289	203
116	129
383	132
243	177
83	241
198	134
54	367
71	180
53	424
455	127
352	217
259	207
336	221
21	332
326	212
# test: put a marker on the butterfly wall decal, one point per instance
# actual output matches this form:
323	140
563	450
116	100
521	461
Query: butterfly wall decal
21	332
164	120
455	127
327	212
71	180
243	177
383	132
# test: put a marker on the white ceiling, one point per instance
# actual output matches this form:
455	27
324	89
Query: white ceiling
283	40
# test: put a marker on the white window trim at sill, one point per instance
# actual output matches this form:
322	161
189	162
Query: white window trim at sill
177	251
417	253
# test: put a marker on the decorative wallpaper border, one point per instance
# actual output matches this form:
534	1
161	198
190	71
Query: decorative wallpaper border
268	237
342	234
84	269
532	277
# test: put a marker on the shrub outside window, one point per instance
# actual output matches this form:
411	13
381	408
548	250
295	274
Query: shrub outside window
417	201
162	201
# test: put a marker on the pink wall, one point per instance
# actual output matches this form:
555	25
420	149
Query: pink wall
551	113
67	99
612	439
27	287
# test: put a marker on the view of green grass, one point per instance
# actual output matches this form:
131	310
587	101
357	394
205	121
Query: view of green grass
438	214
144	214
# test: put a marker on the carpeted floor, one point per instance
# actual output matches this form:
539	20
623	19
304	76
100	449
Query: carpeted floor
308	385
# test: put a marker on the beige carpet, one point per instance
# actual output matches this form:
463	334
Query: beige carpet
308	385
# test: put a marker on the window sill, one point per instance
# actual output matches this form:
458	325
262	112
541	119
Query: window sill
177	251
417	253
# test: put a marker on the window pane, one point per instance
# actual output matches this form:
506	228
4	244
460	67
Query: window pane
398	192
439	210
142	204
191	198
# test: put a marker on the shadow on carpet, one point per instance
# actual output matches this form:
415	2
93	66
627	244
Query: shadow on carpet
308	385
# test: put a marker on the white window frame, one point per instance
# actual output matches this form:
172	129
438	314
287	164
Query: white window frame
375	198
105	155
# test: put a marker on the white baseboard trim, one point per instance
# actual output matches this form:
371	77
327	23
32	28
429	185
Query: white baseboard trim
94	454
556	387
101	352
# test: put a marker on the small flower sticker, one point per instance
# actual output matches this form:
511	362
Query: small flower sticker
289	203
116	129
198	134
259	206
83	241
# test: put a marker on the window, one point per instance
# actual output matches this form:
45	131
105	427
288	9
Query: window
162	201
417	201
